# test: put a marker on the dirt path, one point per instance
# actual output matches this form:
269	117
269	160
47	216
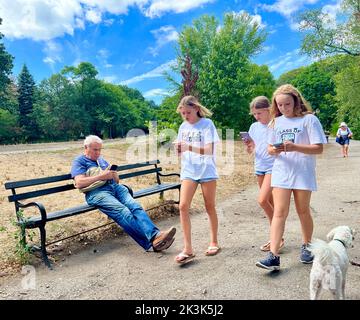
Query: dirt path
119	269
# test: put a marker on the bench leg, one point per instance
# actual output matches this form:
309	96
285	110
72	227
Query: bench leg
43	247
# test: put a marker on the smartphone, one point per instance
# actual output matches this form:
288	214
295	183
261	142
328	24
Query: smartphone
245	136
278	145
113	167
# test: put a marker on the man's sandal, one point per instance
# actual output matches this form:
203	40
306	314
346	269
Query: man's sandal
183	258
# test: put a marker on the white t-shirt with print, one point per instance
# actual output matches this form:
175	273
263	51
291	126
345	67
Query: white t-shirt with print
195	165
296	170
259	133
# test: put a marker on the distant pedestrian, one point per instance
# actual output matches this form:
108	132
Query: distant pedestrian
343	136
297	136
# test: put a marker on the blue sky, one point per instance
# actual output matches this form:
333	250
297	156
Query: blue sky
132	42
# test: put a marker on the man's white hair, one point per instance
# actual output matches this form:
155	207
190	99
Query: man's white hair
91	139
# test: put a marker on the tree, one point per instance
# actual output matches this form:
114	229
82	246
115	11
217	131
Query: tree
221	57
348	95
324	36
26	88
6	65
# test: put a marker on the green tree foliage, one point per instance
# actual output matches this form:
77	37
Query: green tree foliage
348	95
8	127
221	57
324	36
6	65
75	102
26	91
319	87
58	117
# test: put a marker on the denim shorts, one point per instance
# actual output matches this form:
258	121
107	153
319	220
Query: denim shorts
262	173
200	180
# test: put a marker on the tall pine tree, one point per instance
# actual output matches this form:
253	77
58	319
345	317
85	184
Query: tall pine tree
26	88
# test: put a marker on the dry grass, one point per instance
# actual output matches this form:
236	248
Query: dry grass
29	165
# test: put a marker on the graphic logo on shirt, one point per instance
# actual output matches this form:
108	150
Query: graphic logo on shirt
289	134
191	136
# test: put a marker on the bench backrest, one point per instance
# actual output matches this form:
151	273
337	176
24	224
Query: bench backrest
125	169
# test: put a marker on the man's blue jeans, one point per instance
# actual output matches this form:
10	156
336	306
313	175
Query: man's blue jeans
115	201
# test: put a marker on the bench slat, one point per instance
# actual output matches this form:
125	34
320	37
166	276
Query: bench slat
33	194
34	182
64	177
156	189
34	222
138	165
139	173
42	192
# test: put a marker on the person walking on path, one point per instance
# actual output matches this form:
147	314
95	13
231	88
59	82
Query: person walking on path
343	136
263	163
296	137
195	144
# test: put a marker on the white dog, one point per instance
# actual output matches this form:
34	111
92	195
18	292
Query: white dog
330	263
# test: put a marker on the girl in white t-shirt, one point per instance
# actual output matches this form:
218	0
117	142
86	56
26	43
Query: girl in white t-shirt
196	144
296	137
263	163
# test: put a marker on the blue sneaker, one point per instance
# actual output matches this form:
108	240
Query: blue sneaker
271	262
306	256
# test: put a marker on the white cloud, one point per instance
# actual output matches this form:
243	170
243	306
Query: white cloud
93	15
39	19
254	18
52	51
288	7
102	56
290	60
158	7
163	36
48	19
155	73
156	93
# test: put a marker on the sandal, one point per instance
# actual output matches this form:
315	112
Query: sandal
183	258
266	247
212	250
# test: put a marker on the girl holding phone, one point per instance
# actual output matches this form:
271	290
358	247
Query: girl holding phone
257	142
294	168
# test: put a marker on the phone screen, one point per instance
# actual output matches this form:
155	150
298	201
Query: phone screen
245	136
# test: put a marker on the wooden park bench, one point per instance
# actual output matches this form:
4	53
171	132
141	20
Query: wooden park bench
66	184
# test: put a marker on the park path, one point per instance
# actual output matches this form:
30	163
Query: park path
119	269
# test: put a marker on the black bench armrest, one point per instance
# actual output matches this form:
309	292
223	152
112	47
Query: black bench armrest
39	205
130	190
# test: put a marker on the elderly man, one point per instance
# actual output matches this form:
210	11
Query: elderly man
100	184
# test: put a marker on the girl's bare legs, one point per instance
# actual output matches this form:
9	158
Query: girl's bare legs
302	204
265	198
209	191
187	191
346	150
281	211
